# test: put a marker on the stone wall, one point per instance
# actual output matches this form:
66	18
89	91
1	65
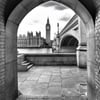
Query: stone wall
51	59
8	76
2	51
97	69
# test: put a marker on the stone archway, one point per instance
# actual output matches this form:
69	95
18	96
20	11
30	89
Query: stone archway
11	35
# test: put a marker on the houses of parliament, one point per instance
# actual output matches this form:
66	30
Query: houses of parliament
29	40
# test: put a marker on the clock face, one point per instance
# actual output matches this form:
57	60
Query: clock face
47	27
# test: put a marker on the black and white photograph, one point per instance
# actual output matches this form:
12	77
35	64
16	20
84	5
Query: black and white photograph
49	49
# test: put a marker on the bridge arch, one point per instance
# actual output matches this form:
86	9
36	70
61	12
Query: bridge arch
14	20
69	40
69	43
70	33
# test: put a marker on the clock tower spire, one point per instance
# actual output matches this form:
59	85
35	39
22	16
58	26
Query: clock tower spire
48	30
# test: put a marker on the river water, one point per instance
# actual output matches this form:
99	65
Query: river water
34	50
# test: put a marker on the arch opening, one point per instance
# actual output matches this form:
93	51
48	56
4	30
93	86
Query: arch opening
15	18
69	43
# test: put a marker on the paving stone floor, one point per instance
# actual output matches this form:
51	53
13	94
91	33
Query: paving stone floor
53	82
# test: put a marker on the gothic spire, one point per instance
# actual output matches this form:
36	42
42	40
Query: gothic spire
48	20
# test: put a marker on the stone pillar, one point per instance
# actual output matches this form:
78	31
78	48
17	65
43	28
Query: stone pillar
91	64
82	48
82	56
11	61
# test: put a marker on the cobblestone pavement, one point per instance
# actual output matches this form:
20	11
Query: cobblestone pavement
53	81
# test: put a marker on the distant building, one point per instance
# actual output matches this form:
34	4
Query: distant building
22	41
35	41
30	40
48	31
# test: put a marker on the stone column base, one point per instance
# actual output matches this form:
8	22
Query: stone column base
81	56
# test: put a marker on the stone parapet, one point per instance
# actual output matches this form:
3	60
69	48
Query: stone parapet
51	59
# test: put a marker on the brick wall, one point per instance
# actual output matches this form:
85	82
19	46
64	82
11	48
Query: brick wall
2	51
97	69
2	65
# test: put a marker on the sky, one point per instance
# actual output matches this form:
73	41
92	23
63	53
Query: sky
36	19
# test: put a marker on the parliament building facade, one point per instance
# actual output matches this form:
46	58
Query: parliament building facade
30	40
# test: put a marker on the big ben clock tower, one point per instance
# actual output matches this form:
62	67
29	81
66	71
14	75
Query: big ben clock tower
48	29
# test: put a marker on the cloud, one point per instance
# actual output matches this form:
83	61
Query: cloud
57	6
64	18
35	21
32	22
